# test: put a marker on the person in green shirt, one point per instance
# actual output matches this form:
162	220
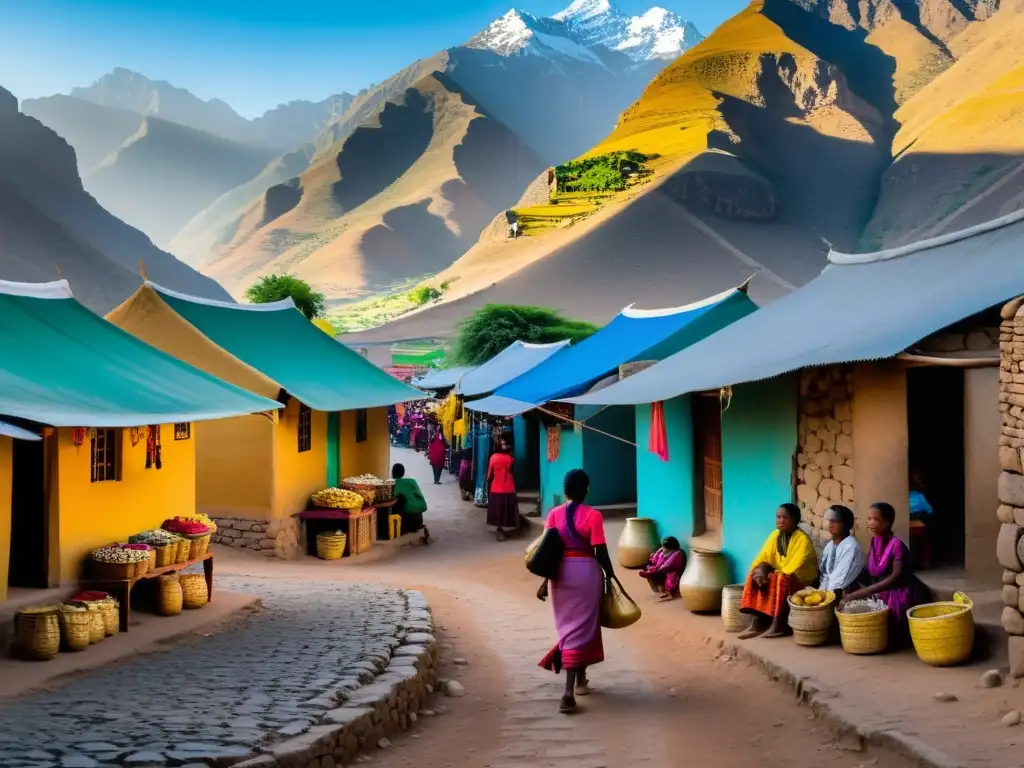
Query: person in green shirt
411	504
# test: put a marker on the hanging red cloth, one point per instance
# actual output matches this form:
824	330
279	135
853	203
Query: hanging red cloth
658	440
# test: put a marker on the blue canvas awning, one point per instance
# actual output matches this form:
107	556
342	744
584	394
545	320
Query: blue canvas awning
633	335
861	307
9	430
514	360
443	379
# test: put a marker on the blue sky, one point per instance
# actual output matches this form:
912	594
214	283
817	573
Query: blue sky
255	54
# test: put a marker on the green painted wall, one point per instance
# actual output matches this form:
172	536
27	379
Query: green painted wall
333	458
759	440
665	488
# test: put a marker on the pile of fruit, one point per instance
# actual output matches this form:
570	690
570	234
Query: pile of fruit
121	554
363	480
337	498
812	598
186	526
157	537
199	517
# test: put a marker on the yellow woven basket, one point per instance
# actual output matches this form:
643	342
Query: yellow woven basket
97	624
864	633
37	633
330	546
193	591
75	627
943	632
812	623
732	619
168	596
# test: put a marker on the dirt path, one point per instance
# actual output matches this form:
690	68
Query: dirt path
660	698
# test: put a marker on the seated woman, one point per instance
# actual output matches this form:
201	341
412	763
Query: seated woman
890	577
665	569
843	559
785	565
409	502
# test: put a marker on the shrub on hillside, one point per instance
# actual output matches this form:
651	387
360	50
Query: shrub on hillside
424	294
270	288
601	173
490	329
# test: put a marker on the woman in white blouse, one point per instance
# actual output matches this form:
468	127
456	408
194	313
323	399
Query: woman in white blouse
843	558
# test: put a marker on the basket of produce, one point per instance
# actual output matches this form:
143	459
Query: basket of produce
365	485
338	498
187	527
118	562
75	627
104	603
943	632
168	595
386	491
182	550
330	546
37	632
864	626
811	614
732	619
164	544
144	566
194	593
97	624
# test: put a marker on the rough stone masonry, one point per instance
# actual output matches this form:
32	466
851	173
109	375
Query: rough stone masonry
1010	544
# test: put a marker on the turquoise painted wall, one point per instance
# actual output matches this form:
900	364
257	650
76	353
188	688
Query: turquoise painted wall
520	452
552	473
610	463
665	488
759	439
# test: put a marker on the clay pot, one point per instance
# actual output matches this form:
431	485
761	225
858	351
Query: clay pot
705	575
639	540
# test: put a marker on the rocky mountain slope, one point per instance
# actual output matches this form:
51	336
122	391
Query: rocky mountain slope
404	194
795	126
49	223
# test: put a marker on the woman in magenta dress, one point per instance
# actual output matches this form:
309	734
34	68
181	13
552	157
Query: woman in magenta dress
576	594
665	568
890	577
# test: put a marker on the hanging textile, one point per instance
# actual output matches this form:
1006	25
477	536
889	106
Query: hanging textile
446	415
658	440
459	429
554	434
153	457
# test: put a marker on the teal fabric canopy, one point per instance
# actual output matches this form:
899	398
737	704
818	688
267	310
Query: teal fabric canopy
63	366
279	342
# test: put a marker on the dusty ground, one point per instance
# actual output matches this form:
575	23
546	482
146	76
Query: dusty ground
659	698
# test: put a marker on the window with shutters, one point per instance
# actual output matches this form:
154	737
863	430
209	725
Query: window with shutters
305	428
183	431
105	452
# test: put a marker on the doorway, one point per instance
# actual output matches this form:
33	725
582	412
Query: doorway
28	562
707	433
935	430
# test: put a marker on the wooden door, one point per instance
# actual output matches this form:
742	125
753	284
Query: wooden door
707	423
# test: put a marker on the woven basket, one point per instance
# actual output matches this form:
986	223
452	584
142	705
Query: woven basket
75	627
864	633
732	596
111	616
193	591
386	491
811	624
198	547
943	633
184	548
368	492
330	546
114	571
361	533
168	595
152	560
37	634
165	554
97	624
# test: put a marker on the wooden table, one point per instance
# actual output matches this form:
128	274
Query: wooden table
360	526
122	588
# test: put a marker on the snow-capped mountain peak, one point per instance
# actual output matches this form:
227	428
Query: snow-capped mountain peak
655	34
585	9
521	33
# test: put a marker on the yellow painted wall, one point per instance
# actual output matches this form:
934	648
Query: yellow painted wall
373	456
298	475
91	514
6	465
235	467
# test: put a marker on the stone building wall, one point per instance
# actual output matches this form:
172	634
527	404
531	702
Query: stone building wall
273	538
1010	545
824	473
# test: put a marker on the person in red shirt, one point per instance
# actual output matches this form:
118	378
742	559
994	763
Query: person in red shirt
502	504
437	453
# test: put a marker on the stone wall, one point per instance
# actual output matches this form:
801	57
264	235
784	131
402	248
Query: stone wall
1009	545
969	338
273	538
824	474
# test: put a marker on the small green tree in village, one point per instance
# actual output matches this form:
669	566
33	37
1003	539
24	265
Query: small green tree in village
490	329
270	288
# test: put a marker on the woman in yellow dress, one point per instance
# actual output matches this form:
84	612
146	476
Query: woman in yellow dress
785	565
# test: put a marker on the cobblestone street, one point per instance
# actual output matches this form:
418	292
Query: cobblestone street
220	696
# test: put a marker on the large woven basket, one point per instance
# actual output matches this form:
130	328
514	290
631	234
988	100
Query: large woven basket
330	546
111	616
168	595
116	571
943	632
184	549
193	591
732	597
198	547
362	531
75	627
864	633
97	624
367	491
165	555
811	624
37	634
386	491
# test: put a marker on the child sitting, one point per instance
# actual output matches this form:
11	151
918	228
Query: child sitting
665	569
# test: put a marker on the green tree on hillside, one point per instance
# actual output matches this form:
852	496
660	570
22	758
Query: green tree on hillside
490	329
270	288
